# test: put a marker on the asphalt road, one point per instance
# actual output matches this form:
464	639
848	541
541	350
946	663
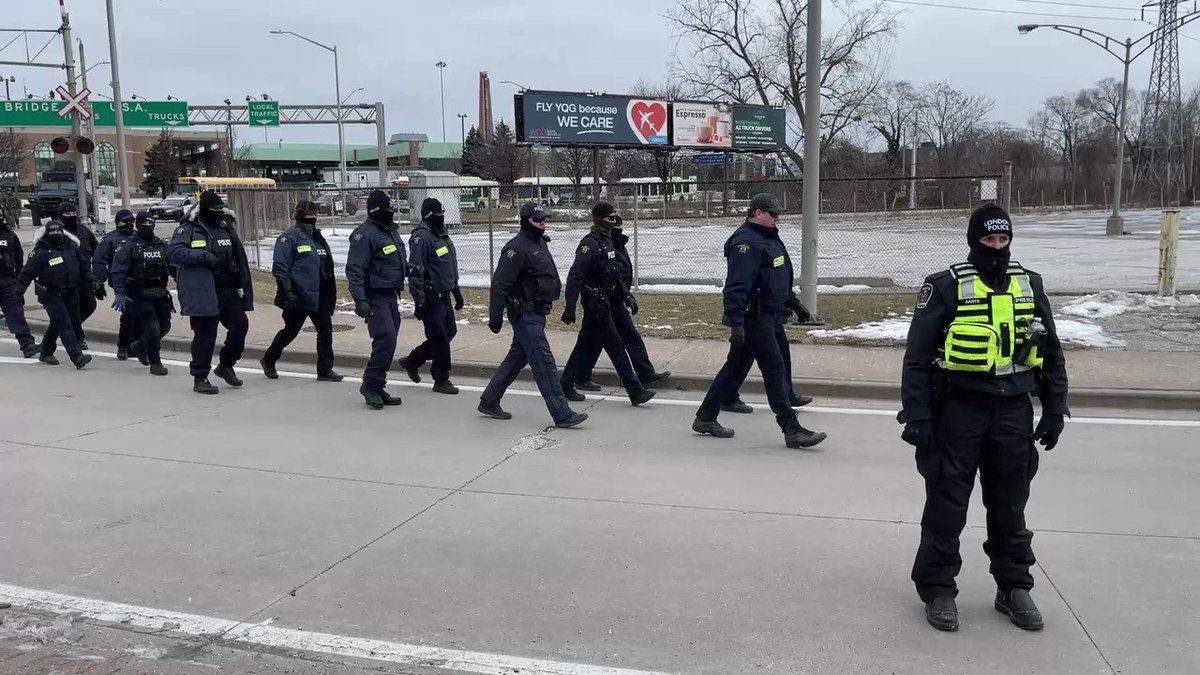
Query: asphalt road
286	521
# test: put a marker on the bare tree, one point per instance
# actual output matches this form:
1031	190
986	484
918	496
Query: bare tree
948	118
1064	122
14	153
891	113
738	53
1103	101
574	163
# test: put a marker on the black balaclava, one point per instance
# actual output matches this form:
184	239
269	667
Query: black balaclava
68	215
601	227
125	220
528	212
991	263
212	209
380	209
433	213
306	216
55	234
145	225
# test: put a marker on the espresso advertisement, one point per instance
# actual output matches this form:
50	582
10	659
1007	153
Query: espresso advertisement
701	125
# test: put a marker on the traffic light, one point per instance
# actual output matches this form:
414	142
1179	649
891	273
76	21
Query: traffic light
85	145
60	145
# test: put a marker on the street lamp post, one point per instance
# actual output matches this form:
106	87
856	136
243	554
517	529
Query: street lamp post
462	123
441	66
337	88
7	81
1116	224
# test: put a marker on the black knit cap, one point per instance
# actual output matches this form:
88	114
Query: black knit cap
144	217
378	199
210	200
430	206
988	219
603	210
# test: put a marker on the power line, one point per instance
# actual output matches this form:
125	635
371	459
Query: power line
1080	4
1008	11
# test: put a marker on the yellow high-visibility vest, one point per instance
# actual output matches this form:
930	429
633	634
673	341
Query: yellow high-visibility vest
989	327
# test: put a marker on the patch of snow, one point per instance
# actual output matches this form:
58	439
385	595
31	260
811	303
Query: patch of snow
1111	303
658	327
1085	334
888	329
848	288
680	288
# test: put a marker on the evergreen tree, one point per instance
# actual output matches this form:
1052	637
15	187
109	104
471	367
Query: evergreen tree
162	166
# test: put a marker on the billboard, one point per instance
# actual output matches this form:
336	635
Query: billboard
579	119
701	125
759	128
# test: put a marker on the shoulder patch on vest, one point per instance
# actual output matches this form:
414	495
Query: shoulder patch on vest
282	240
924	295
511	253
179	230
743	248
357	236
584	249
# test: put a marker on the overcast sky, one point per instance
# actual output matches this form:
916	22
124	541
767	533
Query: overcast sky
204	52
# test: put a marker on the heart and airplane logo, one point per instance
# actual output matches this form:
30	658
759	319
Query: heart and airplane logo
648	119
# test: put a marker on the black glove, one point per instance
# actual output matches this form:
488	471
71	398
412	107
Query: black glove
458	299
794	306
419	312
290	300
568	316
737	336
1049	428
99	290
362	308
631	303
919	434
210	261
495	325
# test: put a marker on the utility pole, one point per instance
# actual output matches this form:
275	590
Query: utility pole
7	81
441	66
76	131
91	128
812	162
912	171
462	123
118	110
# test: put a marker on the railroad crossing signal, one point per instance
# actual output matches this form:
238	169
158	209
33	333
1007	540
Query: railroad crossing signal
77	104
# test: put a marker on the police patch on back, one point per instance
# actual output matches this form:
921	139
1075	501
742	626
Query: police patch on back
924	295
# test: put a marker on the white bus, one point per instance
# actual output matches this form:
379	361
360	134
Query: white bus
652	189
550	190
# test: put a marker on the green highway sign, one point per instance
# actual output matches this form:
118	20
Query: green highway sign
154	114
32	114
263	113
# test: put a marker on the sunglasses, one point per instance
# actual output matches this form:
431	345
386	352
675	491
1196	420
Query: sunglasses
538	219
612	219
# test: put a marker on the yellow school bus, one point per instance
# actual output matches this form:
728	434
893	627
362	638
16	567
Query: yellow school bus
220	184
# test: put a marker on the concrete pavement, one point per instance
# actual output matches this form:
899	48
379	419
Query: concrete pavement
1164	380
629	543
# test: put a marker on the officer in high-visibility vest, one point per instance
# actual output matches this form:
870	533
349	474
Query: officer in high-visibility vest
982	340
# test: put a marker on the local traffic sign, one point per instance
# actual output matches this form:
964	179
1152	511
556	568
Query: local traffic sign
153	114
264	113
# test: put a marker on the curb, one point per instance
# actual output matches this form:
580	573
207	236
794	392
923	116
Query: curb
1153	399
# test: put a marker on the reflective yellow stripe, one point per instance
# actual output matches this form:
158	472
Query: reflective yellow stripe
56	261
779	261
389	249
442	251
1001	317
199	243
304	249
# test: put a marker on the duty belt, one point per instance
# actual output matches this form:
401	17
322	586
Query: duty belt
542	308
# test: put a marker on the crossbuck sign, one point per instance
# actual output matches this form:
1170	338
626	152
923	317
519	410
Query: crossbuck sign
77	104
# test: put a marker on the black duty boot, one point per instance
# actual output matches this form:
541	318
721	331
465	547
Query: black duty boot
712	428
83	345
643	396
136	351
48	359
573	395
942	613
122	353
588	385
799	400
371	396
1020	608
414	373
445	387
573	421
203	386
30	349
388	399
330	376
226	373
268	368
796	436
656	377
493	410
81	360
158	369
738	406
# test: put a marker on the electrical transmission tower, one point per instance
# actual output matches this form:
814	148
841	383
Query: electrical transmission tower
1161	167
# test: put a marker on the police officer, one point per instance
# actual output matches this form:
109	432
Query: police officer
622	316
140	271
10	207
305	291
215	288
102	266
12	300
733	402
68	215
376	267
596	275
525	286
431	249
982	340
757	287
59	269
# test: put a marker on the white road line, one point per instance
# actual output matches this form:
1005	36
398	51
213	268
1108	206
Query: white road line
264	635
17	361
685	403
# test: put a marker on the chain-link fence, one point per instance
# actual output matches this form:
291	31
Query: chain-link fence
874	233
